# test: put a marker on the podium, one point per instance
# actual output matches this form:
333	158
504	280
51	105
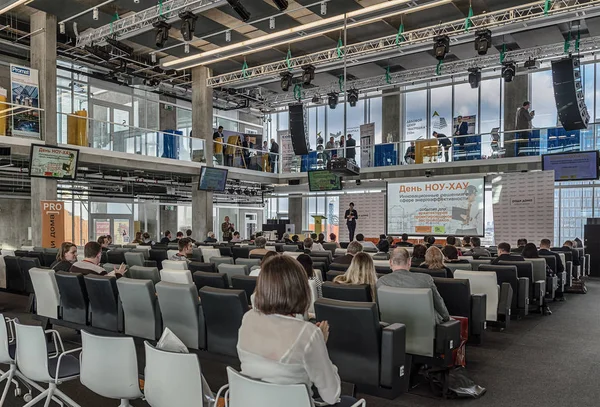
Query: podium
318	223
426	151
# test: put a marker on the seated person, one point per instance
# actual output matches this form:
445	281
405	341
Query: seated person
466	242
138	238
434	260
520	245
451	241
360	238
390	240
418	255
404	241
477	251
504	254
316	246
361	271
188	234
430	241
353	249
333	239
103	242
307	263
67	255
210	238
568	246
167	238
383	246
545	251
147	240
295	239
260	244
321	239
90	264
185	250
531	252
266	257
286	238
402	277
236	237
277	347
178	237
451	255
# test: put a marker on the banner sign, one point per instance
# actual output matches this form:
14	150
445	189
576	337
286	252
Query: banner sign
53	224
367	140
287	150
371	214
25	91
53	162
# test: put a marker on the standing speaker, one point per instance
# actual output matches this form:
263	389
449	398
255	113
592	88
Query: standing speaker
297	129
568	94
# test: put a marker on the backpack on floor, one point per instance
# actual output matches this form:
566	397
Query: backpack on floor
577	287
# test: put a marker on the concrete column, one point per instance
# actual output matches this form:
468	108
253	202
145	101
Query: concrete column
167	114
168	221
202	113
43	58
391	111
515	93
296	212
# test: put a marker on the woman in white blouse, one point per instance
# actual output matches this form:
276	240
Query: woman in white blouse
275	346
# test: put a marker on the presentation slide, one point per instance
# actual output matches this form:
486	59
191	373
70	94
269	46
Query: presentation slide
572	166
436	207
53	162
213	179
324	181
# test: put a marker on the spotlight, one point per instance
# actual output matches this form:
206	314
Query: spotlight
323	8
333	99
61	27
162	32
186	48
247	192
254	192
353	97
272	23
239	8
286	81
95	13
509	70
316	99
441	46
281	4
188	25
227	36
153	58
231	190
474	77
136	1
238	191
308	75
120	46
483	41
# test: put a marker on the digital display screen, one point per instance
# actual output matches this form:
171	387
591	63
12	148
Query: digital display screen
212	179
324	181
579	166
53	162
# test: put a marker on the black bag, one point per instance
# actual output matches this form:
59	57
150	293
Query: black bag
459	385
577	287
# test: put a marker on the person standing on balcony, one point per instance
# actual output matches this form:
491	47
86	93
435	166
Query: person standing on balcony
330	149
523	126
445	143
218	145
461	130
351	148
274	154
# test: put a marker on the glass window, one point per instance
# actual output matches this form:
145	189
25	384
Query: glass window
376	116
335	122
491	96
415	123
542	99
441	110
465	102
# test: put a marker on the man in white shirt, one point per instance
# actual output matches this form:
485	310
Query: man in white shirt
312	246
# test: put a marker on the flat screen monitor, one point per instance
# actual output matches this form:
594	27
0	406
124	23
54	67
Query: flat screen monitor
324	181
212	179
47	161
576	166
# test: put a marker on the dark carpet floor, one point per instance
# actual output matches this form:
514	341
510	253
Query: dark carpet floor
538	361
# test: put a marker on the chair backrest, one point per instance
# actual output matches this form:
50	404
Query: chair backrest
108	366
483	282
158	255
208	253
144	273
550	261
73	297
233	270
225	251
223	312
14	278
38	255
292	254
412	307
26	264
244	392
333	274
347	292
217	261
354	340
176	276
179	310
135	259
49	258
240	252
174	265
197	254
539	268
32	353
505	274
116	256
339	267
171	253
456	294
246	283
138	297
524	270
330	247
459	266
172	378
290	248
145	250
433	273
325	253
21	252
205	267
314	295
478	262
47	296
247	262
204	279
104	301
5	354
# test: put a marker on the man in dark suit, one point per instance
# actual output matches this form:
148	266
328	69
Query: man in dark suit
353	249
351	148
444	142
504	254
520	246
545	251
404	242
274	154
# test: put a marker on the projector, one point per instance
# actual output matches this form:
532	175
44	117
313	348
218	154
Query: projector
343	166
532	64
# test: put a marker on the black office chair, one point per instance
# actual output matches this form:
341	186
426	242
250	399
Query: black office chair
520	287
15	280
104	302
158	255
333	274
537	289
246	283
338	267
205	267
116	257
74	300
433	273
347	292
243	252
203	279
26	264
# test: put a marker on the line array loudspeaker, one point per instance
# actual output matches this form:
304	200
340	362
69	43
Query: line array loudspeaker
568	94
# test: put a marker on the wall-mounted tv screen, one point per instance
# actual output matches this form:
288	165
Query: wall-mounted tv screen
324	181
53	162
577	166
212	179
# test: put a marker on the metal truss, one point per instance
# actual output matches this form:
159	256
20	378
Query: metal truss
139	22
488	62
499	22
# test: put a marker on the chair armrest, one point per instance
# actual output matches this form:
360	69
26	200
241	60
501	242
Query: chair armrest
447	338
150	263
505	300
478	313
383	324
57	340
60	359
201	328
539	291
523	294
393	355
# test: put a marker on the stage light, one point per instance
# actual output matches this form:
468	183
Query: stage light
353	97
162	32
239	8
509	70
308	75
188	25
333	99
95	14
227	36
324	8
136	1
316	99
474	77
231	191
153	58
441	46
286	81
281	4
186	48
120	46
483	42
272	23
61	27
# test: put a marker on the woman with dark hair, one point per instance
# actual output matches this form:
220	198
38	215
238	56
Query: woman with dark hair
277	347
138	238
383	246
67	255
321	238
530	251
333	239
418	255
306	261
450	252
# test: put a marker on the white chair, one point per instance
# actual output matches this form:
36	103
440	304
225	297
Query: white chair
292	254
33	362
176	276
171	253
340	251
8	252
109	367
271	248
381	263
27	248
47	297
243	391
314	295
174	265
208	253
172	379
483	282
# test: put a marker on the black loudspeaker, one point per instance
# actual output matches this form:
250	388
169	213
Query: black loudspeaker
297	129
294	182
568	93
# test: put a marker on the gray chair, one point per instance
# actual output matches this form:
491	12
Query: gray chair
197	255
182	313
520	287
134	259
458	266
246	283
140	308
145	252
217	261
217	280
290	248
539	274
247	262
144	273
330	247
478	262
233	270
